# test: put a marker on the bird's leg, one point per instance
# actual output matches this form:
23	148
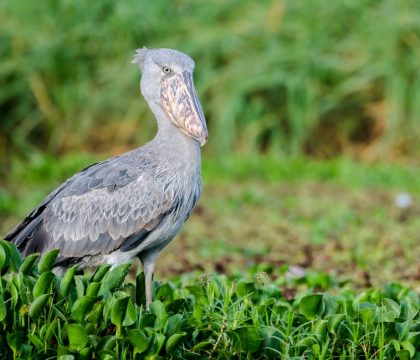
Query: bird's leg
148	275
148	260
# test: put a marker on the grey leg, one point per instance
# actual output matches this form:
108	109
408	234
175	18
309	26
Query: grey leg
148	275
149	261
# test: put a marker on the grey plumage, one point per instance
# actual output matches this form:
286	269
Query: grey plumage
133	204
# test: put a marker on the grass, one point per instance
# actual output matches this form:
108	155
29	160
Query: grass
282	77
336	216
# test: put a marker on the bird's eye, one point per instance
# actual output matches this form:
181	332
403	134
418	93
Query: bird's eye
167	70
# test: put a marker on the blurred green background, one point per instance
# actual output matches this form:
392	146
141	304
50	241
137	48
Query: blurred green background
307	102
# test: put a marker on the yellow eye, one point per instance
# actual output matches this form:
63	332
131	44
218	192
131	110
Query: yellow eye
166	70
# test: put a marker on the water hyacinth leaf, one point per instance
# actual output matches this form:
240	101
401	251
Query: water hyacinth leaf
38	306
173	324
36	341
138	340
406	345
173	342
93	288
367	312
312	306
393	308
81	307
85	354
13	257
147	320
80	286
43	284
2	257
100	272
96	314
118	310
107	343
408	310
403	355
165	292
320	329
246	339
334	321
46	262
108	355
272	340
66	357
130	314
3	310
15	341
158	309
77	335
28	264
307	342
156	342
114	278
66	281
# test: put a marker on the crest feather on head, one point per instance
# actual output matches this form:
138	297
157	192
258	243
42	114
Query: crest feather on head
140	56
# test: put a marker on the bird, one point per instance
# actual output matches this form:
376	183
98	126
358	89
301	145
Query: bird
131	205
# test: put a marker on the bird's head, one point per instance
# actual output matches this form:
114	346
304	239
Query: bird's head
167	81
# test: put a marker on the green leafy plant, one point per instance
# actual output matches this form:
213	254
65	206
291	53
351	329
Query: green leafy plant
101	316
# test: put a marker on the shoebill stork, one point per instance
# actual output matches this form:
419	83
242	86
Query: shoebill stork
133	204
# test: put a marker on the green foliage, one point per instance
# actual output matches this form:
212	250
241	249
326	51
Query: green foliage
283	76
216	316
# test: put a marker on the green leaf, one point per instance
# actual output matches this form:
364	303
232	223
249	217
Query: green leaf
272	340
130	314
307	342
114	278
3	310
2	257
118	309
28	264
138	340
100	272
66	357
158	309
403	355
173	342
367	312
43	284
246	339
334	322
173	324
406	345
156	343
123	312
66	281
78	337
15	341
312	306
93	288
36	341
47	261
38	306
165	292
81	307
80	286
13	257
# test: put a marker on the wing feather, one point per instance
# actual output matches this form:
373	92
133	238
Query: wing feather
96	210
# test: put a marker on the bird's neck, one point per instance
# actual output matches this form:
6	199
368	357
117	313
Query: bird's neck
170	138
